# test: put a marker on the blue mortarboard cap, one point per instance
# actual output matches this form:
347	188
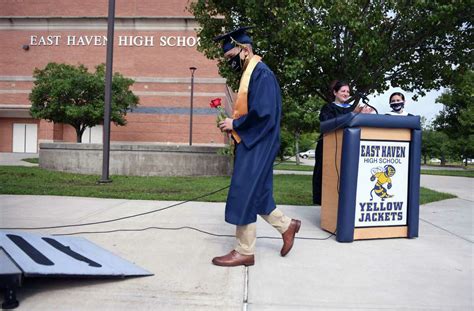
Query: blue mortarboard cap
240	35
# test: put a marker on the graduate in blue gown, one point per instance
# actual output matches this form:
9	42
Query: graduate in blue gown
255	126
251	190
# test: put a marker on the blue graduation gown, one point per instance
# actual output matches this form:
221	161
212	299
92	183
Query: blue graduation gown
251	188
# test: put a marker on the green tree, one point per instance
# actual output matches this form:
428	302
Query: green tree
456	119
374	45
371	44
300	118
71	95
436	144
426	139
286	144
306	142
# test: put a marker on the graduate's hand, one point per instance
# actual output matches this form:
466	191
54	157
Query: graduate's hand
226	125
363	109
367	109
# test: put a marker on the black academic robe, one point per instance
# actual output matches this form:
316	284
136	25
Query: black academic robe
328	111
251	188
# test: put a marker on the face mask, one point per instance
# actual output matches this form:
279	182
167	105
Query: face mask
397	106
235	62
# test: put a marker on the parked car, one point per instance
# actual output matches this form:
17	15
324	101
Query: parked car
307	154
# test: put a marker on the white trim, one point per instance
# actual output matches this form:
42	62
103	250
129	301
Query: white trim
179	23
141	93
179	80
15	91
14	106
181	94
172	80
97	16
16	78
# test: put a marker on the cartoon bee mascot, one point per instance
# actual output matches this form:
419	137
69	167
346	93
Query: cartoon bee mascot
382	175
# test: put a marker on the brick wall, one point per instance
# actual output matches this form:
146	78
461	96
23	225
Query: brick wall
161	71
94	8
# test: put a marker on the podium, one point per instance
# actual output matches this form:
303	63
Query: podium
371	176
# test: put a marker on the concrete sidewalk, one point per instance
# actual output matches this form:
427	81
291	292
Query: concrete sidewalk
432	272
15	159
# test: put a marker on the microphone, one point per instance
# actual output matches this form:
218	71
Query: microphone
362	95
365	100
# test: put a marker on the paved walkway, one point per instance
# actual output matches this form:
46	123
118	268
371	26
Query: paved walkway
432	272
16	159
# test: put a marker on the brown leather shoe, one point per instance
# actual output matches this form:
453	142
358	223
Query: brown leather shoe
233	259
289	236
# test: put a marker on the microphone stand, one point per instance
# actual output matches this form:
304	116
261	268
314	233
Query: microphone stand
365	100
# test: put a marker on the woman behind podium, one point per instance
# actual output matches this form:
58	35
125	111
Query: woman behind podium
340	92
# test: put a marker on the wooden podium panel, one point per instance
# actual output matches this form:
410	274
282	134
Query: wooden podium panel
385	134
380	232
330	183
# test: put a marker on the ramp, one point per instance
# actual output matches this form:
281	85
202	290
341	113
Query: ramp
28	255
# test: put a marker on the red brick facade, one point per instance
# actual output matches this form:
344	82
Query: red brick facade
154	43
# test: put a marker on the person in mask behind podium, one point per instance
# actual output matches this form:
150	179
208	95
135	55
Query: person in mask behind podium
341	93
397	103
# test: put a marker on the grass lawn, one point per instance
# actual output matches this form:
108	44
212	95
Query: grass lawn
291	166
428	195
466	173
470	166
285	166
288	189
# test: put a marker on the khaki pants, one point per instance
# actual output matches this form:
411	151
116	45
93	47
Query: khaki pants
247	235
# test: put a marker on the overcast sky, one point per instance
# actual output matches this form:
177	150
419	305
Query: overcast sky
425	106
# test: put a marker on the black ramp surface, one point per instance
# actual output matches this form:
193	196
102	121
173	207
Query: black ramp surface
30	250
68	251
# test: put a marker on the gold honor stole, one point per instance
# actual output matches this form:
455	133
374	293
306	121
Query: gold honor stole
241	105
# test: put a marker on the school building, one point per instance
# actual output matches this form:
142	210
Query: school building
155	44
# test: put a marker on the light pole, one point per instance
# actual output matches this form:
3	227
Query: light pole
108	93
193	69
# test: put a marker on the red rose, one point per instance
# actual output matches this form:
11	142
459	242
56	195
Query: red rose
221	113
216	102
